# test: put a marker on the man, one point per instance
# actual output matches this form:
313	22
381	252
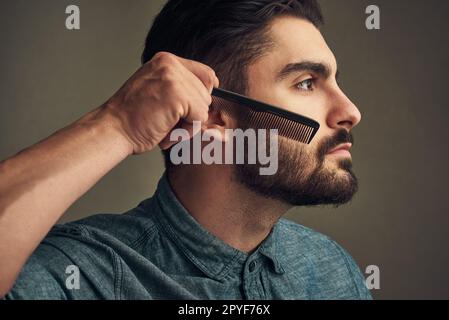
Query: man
210	231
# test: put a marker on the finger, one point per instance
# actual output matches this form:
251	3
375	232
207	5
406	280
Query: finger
205	73
196	86
197	101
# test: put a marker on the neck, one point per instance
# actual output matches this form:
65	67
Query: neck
224	207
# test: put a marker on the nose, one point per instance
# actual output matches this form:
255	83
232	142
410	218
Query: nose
343	113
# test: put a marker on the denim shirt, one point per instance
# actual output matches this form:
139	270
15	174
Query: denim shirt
159	251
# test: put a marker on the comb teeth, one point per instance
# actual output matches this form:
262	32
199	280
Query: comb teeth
265	120
286	128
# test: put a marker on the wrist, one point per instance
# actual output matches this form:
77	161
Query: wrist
104	123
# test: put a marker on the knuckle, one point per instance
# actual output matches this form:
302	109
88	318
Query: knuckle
179	109
218	80
163	56
208	100
211	74
209	70
208	81
164	60
167	73
211	79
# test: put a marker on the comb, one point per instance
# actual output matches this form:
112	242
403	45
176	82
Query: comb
261	115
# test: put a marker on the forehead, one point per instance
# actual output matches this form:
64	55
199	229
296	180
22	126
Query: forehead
295	40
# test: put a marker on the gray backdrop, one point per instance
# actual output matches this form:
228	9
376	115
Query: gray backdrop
397	76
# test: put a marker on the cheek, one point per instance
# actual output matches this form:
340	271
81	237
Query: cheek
297	161
317	141
313	106
293	151
319	113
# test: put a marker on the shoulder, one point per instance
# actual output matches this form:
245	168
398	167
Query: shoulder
294	234
108	229
127	228
92	245
323	259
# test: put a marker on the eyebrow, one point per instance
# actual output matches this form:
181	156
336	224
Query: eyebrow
316	67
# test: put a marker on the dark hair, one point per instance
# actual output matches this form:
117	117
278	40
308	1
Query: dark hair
227	35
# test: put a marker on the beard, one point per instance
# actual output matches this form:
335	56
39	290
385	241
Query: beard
303	178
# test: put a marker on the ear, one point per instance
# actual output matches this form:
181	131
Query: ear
216	124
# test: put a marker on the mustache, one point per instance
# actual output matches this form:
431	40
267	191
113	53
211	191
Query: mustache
342	136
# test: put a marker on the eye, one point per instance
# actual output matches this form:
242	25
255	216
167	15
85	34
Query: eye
306	85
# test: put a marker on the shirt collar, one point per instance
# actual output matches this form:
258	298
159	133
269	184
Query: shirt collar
210	254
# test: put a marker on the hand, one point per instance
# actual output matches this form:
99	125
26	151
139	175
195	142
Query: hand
166	92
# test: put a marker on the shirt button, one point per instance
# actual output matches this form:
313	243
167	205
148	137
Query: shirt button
252	266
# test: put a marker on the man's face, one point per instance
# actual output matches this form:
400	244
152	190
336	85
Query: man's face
299	73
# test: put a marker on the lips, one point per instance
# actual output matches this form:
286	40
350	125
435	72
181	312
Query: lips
342	149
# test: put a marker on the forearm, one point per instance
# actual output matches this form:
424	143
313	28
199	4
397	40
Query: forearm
40	183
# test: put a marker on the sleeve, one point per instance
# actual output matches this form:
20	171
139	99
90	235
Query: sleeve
68	265
36	281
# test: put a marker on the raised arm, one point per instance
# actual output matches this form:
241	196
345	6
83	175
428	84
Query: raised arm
41	182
